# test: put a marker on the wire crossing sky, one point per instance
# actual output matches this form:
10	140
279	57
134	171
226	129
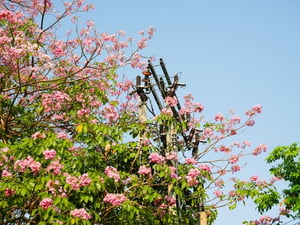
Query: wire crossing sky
232	55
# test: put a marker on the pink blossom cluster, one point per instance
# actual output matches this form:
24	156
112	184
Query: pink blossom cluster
62	135
83	113
110	113
113	173
265	220
191	161
9	192
12	17
171	156
261	148
219	183
21	165
115	199
192	175
218	193
6	173
76	183
205	167
49	154
53	187
38	135
58	48
46	203
125	85
80	213
54	167
144	170
235	168
154	157
171	200
234	159
167	111
190	106
55	101
173	172
171	101
256	109
219	117
225	149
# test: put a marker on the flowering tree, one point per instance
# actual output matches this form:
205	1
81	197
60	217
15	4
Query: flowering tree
73	149
287	168
286	165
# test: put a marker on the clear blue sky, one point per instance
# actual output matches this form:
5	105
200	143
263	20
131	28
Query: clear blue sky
232	54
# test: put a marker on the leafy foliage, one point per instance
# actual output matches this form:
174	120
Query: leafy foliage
287	167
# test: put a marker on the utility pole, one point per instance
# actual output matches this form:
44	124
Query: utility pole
203	218
168	133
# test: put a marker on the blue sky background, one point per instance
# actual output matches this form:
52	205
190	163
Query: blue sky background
232	55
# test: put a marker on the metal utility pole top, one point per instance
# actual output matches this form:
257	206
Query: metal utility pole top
168	133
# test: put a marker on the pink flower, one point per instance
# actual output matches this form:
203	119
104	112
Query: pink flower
218	193
62	135
171	155
171	200
219	117
171	101
21	165
84	180
115	199
234	159
205	168
235	168
110	113
261	148
191	161
191	180
173	172
232	193
235	120
167	111
83	113
6	173
142	43
112	172
55	167
51	186
144	170
198	107
38	135
250	123
254	178
8	192
219	183
193	173
257	108
46	203
265	219
151	31
73	181
246	144
156	158
225	149
35	166
80	213
49	154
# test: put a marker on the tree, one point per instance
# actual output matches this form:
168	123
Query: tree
287	159
285	162
73	147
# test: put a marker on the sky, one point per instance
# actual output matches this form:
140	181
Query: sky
232	55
